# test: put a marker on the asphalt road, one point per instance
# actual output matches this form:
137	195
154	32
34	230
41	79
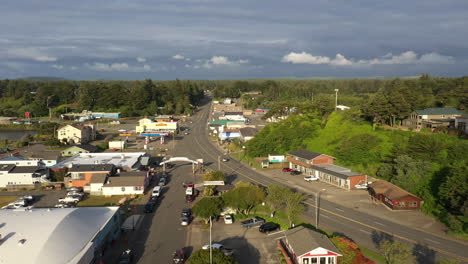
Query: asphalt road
365	229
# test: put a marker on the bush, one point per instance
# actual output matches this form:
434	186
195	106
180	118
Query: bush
350	250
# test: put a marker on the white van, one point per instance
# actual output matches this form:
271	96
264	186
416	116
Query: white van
156	191
189	191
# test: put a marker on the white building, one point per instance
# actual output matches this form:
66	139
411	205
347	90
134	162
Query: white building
127	161
11	174
151	126
233	116
76	133
20	161
126	183
57	236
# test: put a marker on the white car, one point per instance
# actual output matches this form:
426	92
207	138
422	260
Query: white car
156	191
311	178
363	186
228	219
69	199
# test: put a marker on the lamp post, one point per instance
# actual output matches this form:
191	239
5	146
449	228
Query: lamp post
336	98
317	205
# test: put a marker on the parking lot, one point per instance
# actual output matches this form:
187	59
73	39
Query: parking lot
41	198
250	246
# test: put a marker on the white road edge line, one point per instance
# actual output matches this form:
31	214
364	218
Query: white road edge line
379	223
430	240
339	209
325	216
367	232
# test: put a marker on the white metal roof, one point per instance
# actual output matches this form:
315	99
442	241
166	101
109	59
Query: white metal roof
53	236
120	159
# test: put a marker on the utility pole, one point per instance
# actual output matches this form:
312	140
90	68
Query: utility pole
219	163
211	250
336	98
317	204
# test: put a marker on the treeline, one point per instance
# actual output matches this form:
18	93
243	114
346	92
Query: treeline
381	101
131	98
432	166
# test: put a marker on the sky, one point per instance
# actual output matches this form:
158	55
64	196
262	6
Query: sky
242	39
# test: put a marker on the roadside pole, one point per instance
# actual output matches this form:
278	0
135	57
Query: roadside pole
219	163
211	250
317	204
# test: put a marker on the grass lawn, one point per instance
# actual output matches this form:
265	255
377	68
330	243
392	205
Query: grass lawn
4	200
97	200
372	255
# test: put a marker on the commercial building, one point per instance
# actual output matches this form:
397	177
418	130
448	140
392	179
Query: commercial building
76	133
303	159
393	196
57	236
147	125
126	161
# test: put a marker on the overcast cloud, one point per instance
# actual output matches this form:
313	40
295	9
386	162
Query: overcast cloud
219	39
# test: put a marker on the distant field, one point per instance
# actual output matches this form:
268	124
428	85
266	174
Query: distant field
4	200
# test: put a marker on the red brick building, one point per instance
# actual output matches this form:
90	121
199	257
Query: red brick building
393	196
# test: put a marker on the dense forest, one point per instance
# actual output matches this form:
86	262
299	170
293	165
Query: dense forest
131	98
432	166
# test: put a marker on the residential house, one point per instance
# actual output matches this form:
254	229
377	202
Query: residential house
66	235
303	159
338	176
12	175
393	196
461	123
247	133
126	183
97	181
431	118
21	161
76	133
310	247
81	174
228	134
83	148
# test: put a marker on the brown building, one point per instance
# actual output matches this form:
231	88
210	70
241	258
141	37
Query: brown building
302	160
393	196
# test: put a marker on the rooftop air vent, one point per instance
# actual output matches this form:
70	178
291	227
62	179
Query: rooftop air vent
21	242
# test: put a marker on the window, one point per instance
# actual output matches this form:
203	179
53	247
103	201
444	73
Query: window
137	188
313	261
323	260
305	261
331	260
401	204
123	189
413	204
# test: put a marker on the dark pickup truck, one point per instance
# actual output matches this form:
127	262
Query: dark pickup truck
253	222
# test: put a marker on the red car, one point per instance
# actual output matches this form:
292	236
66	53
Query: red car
287	169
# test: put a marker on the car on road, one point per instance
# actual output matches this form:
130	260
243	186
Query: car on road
255	221
225	159
227	219
149	207
187	212
287	169
311	178
179	256
268	227
185	221
186	133
220	247
162	182
156	191
295	172
126	257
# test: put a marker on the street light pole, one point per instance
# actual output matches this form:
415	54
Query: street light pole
336	98
317	204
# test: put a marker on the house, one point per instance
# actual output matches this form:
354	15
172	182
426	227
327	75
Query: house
76	133
247	133
81	174
461	123
65	235
118	144
97	181
126	183
338	176
14	176
127	161
229	134
21	161
310	247
431	118
83	148
303	159
393	196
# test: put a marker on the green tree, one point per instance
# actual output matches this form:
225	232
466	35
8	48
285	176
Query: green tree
276	197
396	252
453	191
208	207
244	197
202	256
294	206
214	176
411	174
358	149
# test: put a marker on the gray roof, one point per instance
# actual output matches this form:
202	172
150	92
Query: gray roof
439	111
340	172
303	240
304	153
98	178
10	158
125	181
6	167
248	131
133	173
25	169
91	167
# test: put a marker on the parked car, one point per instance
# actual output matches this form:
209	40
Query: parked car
162	182
187	212
363	186
220	247
311	178
65	205
179	256
225	159
156	191
186	133
255	221
149	207
185	221
75	189
268	227
295	172
228	219
25	200
126	257
75	193
70	199
287	169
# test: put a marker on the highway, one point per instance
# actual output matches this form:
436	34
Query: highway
362	228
